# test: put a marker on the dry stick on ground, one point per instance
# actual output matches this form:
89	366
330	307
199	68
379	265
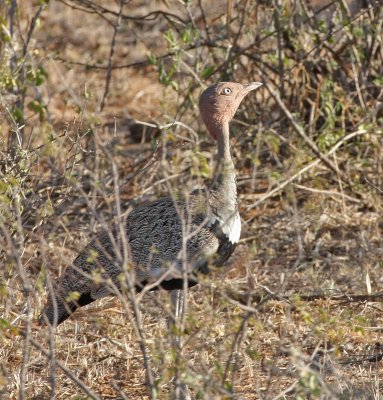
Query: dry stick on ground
66	371
243	297
328	193
232	363
380	190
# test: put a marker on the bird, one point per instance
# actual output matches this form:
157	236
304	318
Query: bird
158	241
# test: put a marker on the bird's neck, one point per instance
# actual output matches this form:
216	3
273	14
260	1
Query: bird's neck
224	186
223	143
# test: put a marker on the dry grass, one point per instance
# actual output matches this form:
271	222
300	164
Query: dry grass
318	233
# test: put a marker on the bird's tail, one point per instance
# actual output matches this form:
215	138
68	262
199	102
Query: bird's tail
59	309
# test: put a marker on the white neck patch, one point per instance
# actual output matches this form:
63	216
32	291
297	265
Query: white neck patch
231	227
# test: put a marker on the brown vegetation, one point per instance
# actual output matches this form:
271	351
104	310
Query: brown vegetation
98	108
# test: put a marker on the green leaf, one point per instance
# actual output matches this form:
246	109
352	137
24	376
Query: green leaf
174	85
41	75
38	108
17	115
208	71
152	58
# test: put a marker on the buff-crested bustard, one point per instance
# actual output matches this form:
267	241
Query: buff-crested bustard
154	243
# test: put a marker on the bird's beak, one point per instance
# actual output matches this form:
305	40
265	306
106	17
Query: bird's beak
252	86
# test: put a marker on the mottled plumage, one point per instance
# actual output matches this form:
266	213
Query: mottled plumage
149	247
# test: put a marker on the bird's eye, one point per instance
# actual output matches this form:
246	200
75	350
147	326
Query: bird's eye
226	91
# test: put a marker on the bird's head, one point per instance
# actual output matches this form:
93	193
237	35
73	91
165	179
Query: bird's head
218	103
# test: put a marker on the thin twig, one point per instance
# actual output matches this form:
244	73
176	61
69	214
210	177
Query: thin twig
372	185
111	53
32	27
298	128
237	52
91	7
327	192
